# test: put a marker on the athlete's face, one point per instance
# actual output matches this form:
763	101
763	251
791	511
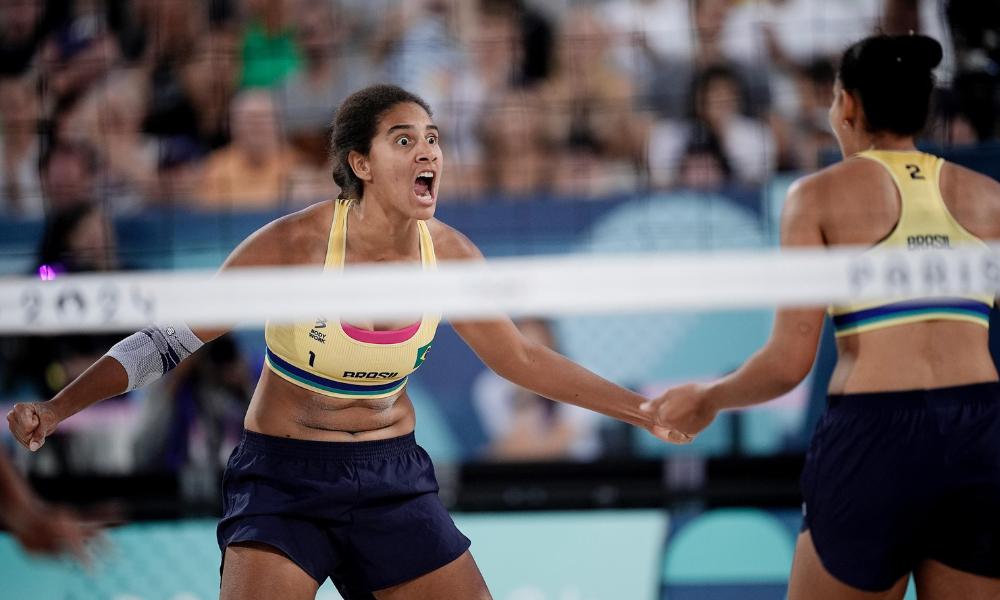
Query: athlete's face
404	166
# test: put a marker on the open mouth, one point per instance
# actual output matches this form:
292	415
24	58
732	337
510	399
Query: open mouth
424	185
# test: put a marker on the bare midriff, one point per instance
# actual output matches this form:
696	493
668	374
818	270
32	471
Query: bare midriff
283	409
926	355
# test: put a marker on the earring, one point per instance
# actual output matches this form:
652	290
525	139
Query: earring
844	124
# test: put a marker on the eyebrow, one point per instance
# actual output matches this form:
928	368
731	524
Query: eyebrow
406	126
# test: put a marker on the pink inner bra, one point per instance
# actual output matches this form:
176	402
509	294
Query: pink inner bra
396	336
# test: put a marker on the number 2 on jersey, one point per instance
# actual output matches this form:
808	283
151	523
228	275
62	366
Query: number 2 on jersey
914	171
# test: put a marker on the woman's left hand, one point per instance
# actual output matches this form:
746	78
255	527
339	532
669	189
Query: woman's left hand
681	413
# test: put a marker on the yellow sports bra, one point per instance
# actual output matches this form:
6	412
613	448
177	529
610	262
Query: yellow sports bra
924	223
334	359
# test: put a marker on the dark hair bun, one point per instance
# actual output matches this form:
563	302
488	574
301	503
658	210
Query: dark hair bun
893	76
902	53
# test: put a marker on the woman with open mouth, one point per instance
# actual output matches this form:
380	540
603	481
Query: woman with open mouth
328	480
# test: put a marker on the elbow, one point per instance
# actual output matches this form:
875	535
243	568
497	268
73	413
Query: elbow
516	365
791	372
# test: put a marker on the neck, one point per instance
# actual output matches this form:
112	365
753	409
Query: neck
384	233
883	141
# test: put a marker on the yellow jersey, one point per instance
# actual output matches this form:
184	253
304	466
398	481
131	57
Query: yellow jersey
924	223
332	358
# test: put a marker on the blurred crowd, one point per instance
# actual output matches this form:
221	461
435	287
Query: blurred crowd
225	104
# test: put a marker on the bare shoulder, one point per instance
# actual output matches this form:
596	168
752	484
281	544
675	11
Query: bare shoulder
450	243
973	199
854	175
810	194
299	238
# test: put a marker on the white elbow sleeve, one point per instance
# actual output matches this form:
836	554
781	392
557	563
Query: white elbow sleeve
150	353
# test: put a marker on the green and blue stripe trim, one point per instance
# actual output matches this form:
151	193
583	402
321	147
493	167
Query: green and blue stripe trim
911	308
312	380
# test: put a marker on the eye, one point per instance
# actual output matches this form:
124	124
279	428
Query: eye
403	141
432	139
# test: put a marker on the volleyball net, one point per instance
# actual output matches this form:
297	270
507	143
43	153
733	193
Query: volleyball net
541	286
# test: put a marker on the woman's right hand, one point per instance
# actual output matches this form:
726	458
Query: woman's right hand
31	422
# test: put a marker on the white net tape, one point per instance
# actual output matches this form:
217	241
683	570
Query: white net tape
541	286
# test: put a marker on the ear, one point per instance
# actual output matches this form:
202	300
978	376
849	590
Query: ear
360	165
852	106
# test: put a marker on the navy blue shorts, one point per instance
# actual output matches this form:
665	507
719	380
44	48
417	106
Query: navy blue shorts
365	514
894	478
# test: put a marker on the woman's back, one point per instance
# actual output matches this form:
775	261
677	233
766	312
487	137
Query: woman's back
860	205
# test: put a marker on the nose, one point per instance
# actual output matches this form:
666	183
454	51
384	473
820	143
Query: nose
427	152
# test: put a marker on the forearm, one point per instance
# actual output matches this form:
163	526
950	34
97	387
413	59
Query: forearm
131	364
553	376
764	376
104	379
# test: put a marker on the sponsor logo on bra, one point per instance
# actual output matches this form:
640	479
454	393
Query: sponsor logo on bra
316	335
369	375
926	242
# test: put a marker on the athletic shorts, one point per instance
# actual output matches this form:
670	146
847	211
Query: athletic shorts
365	514
894	478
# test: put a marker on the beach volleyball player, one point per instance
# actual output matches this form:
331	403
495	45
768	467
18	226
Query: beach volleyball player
328	480
903	470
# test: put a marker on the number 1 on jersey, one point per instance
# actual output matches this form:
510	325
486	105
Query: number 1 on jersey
312	358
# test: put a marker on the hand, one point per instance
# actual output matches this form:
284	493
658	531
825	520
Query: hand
681	413
30	422
56	530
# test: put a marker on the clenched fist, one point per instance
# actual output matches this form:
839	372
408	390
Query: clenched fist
31	422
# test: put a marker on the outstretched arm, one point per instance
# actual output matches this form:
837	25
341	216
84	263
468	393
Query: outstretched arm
534	367
31	422
772	371
531	365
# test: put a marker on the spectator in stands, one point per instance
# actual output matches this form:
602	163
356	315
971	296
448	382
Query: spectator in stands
649	33
523	426
589	105
79	51
69	171
517	150
197	103
193	73
418	45
481	97
267	43
703	44
811	126
704	167
791	34
20	186
127	155
154	33
748	145
23	26
330	72
178	171
254	172
534	38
